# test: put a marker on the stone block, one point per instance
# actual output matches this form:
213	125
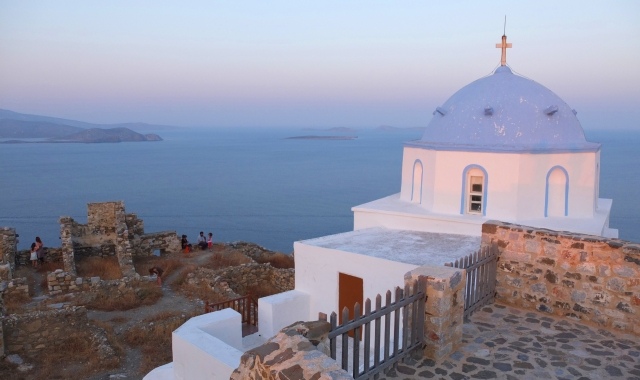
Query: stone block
587	268
516	256
624	271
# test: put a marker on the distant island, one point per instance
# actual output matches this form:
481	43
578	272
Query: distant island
322	138
389	128
334	129
15	127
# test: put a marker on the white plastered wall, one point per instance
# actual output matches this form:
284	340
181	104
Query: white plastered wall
516	182
317	270
427	158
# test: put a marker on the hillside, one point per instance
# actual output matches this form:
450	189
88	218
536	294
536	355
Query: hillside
98	135
16	126
18	118
22	129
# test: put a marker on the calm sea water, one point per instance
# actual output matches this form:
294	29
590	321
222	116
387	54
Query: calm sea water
242	184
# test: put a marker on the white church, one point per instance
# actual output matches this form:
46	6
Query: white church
501	148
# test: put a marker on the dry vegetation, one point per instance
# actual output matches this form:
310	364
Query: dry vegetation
227	259
277	260
107	268
150	338
145	294
168	265
78	356
16	303
153	338
262	290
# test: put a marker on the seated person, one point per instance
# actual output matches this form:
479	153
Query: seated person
158	272
185	243
202	241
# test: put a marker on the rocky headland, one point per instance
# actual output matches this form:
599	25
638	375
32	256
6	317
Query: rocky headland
17	128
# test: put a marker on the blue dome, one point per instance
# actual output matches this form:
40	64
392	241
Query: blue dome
505	112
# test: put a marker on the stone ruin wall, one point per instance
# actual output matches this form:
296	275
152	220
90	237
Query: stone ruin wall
242	277
111	232
8	243
588	278
60	281
232	282
53	255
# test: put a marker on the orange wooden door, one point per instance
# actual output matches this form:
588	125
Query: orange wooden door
350	292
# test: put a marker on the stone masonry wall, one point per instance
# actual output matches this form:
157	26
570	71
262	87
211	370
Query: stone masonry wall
103	217
52	255
8	243
60	281
297	352
111	232
588	278
165	241
444	308
242	277
15	287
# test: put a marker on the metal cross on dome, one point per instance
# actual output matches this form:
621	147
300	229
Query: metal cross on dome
504	45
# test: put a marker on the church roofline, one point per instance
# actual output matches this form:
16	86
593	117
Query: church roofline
582	147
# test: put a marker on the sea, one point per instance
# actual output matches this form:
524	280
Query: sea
244	184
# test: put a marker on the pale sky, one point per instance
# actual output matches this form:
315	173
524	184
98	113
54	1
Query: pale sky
308	63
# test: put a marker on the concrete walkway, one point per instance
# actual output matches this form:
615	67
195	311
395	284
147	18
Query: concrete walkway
508	343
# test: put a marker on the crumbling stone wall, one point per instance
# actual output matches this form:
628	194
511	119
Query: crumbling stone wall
588	278
297	352
165	242
60	281
242	277
53	255
233	282
111	232
8	244
15	287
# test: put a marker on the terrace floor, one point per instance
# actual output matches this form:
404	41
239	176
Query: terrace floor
502	342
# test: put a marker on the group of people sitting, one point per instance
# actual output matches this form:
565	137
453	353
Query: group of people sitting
203	242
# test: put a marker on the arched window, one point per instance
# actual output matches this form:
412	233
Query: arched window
474	190
556	202
416	187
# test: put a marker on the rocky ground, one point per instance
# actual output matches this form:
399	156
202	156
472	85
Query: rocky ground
131	332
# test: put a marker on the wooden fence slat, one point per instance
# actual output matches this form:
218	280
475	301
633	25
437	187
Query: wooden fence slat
376	349
356	341
332	342
387	327
396	324
367	337
481	268
345	341
405	321
410	302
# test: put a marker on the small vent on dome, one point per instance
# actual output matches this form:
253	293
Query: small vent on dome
488	111
440	110
574	112
551	110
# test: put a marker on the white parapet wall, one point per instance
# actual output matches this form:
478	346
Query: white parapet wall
280	310
205	347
